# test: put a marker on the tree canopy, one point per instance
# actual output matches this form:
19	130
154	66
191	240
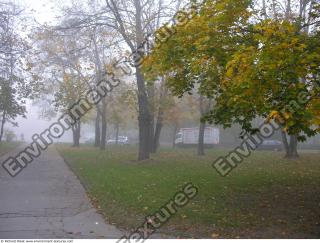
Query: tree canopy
252	64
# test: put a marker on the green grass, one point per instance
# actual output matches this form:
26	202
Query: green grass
266	196
7	147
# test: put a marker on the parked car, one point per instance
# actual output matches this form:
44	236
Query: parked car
274	145
122	140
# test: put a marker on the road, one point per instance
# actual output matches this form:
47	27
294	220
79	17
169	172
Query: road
47	201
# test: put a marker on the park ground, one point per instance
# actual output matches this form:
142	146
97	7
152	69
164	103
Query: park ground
267	196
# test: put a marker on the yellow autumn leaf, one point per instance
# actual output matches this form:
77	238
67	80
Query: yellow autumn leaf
286	115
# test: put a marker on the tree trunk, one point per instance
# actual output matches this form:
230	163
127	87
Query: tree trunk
160	117
274	9
101	132
151	94
97	130
291	147
103	125
3	121
144	116
264	9
285	142
76	131
288	9
159	125
201	139
144	119
117	133
201	129
175	130
144	108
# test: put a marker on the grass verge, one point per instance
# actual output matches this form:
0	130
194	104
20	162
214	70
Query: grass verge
7	147
265	197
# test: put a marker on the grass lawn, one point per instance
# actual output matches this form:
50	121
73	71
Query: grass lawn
7	147
265	197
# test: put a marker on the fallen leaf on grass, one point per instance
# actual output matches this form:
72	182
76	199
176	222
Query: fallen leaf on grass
214	235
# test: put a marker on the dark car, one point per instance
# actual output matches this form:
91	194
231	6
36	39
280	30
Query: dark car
272	145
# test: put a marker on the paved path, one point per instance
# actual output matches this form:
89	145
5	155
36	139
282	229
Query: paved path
47	201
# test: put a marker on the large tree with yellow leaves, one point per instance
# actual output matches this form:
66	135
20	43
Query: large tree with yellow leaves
252	65
276	77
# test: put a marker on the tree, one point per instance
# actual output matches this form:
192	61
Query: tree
9	106
71	89
280	64
100	44
194	58
161	105
121	108
62	70
13	87
133	21
236	59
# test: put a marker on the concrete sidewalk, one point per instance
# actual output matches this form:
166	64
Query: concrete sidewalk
46	200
